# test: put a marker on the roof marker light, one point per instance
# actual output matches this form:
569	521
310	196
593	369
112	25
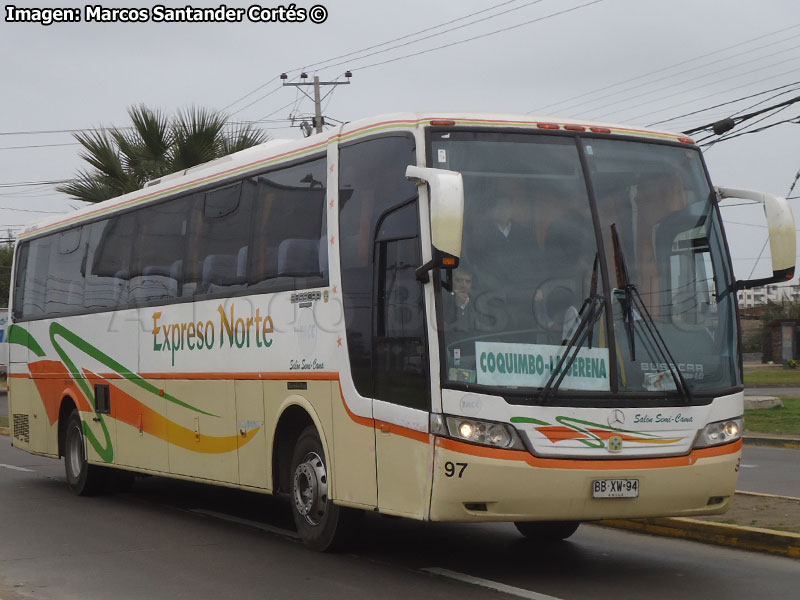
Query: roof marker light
600	129
686	140
442	123
547	126
574	127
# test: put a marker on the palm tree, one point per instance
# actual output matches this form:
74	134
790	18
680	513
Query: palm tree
124	159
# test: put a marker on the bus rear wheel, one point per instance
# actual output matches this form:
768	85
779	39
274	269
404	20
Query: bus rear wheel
547	531
83	479
322	525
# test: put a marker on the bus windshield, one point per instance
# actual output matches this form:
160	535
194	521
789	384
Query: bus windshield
547	299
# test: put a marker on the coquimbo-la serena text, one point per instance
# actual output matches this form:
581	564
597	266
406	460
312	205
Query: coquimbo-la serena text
448	317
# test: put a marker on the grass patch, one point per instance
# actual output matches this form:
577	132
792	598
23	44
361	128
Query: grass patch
780	419
772	377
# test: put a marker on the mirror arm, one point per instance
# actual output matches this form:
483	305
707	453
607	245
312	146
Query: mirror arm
423	270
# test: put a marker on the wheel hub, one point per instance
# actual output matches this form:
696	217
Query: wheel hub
310	488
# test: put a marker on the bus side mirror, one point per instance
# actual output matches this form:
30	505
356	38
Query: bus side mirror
447	216
782	234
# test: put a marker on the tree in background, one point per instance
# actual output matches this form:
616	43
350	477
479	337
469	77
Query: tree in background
6	255
124	159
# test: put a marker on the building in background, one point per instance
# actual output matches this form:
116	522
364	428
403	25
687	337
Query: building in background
776	294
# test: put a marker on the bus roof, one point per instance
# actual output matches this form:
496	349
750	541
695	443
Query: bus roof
278	151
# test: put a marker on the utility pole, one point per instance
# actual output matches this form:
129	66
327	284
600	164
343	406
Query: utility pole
318	118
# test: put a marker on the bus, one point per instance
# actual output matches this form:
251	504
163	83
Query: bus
444	317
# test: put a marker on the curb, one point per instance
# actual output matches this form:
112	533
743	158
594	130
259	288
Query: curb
772	442
720	534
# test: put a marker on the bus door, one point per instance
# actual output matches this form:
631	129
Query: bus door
401	380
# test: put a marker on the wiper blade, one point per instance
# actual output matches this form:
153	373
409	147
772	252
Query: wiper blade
590	312
624	283
633	306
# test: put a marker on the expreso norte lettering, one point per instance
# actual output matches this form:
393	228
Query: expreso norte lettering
202	335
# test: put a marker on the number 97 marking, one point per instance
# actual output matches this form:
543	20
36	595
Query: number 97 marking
450	469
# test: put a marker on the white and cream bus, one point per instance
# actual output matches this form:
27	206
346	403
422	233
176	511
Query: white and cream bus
444	317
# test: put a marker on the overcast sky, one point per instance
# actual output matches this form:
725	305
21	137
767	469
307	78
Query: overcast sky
627	61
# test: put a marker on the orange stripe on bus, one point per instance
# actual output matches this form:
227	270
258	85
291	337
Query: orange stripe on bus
588	464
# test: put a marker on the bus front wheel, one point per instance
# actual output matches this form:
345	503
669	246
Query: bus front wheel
83	479
547	531
322	525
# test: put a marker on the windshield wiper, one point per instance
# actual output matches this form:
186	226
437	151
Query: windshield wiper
590	312
633	306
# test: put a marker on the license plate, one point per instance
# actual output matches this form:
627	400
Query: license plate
615	488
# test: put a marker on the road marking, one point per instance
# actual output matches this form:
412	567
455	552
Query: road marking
13	468
748	466
492	585
247	522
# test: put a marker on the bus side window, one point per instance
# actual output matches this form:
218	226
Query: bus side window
372	181
65	283
401	356
221	241
289	243
19	283
36	278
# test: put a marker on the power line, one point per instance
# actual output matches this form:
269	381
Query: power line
26	210
38	146
678	84
702	110
32	183
45	131
703	76
661	70
477	37
427	37
746	117
313	65
795	119
751	83
699	87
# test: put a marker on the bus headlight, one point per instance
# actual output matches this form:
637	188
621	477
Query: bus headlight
720	432
474	431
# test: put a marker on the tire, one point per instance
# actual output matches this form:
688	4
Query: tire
322	525
547	531
82	478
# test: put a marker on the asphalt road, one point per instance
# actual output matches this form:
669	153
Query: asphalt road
770	471
171	539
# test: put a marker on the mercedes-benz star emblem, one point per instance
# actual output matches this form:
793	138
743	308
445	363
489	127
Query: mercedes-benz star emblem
616	418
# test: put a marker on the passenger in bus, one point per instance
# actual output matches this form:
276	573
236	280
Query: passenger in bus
459	309
460	320
502	245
